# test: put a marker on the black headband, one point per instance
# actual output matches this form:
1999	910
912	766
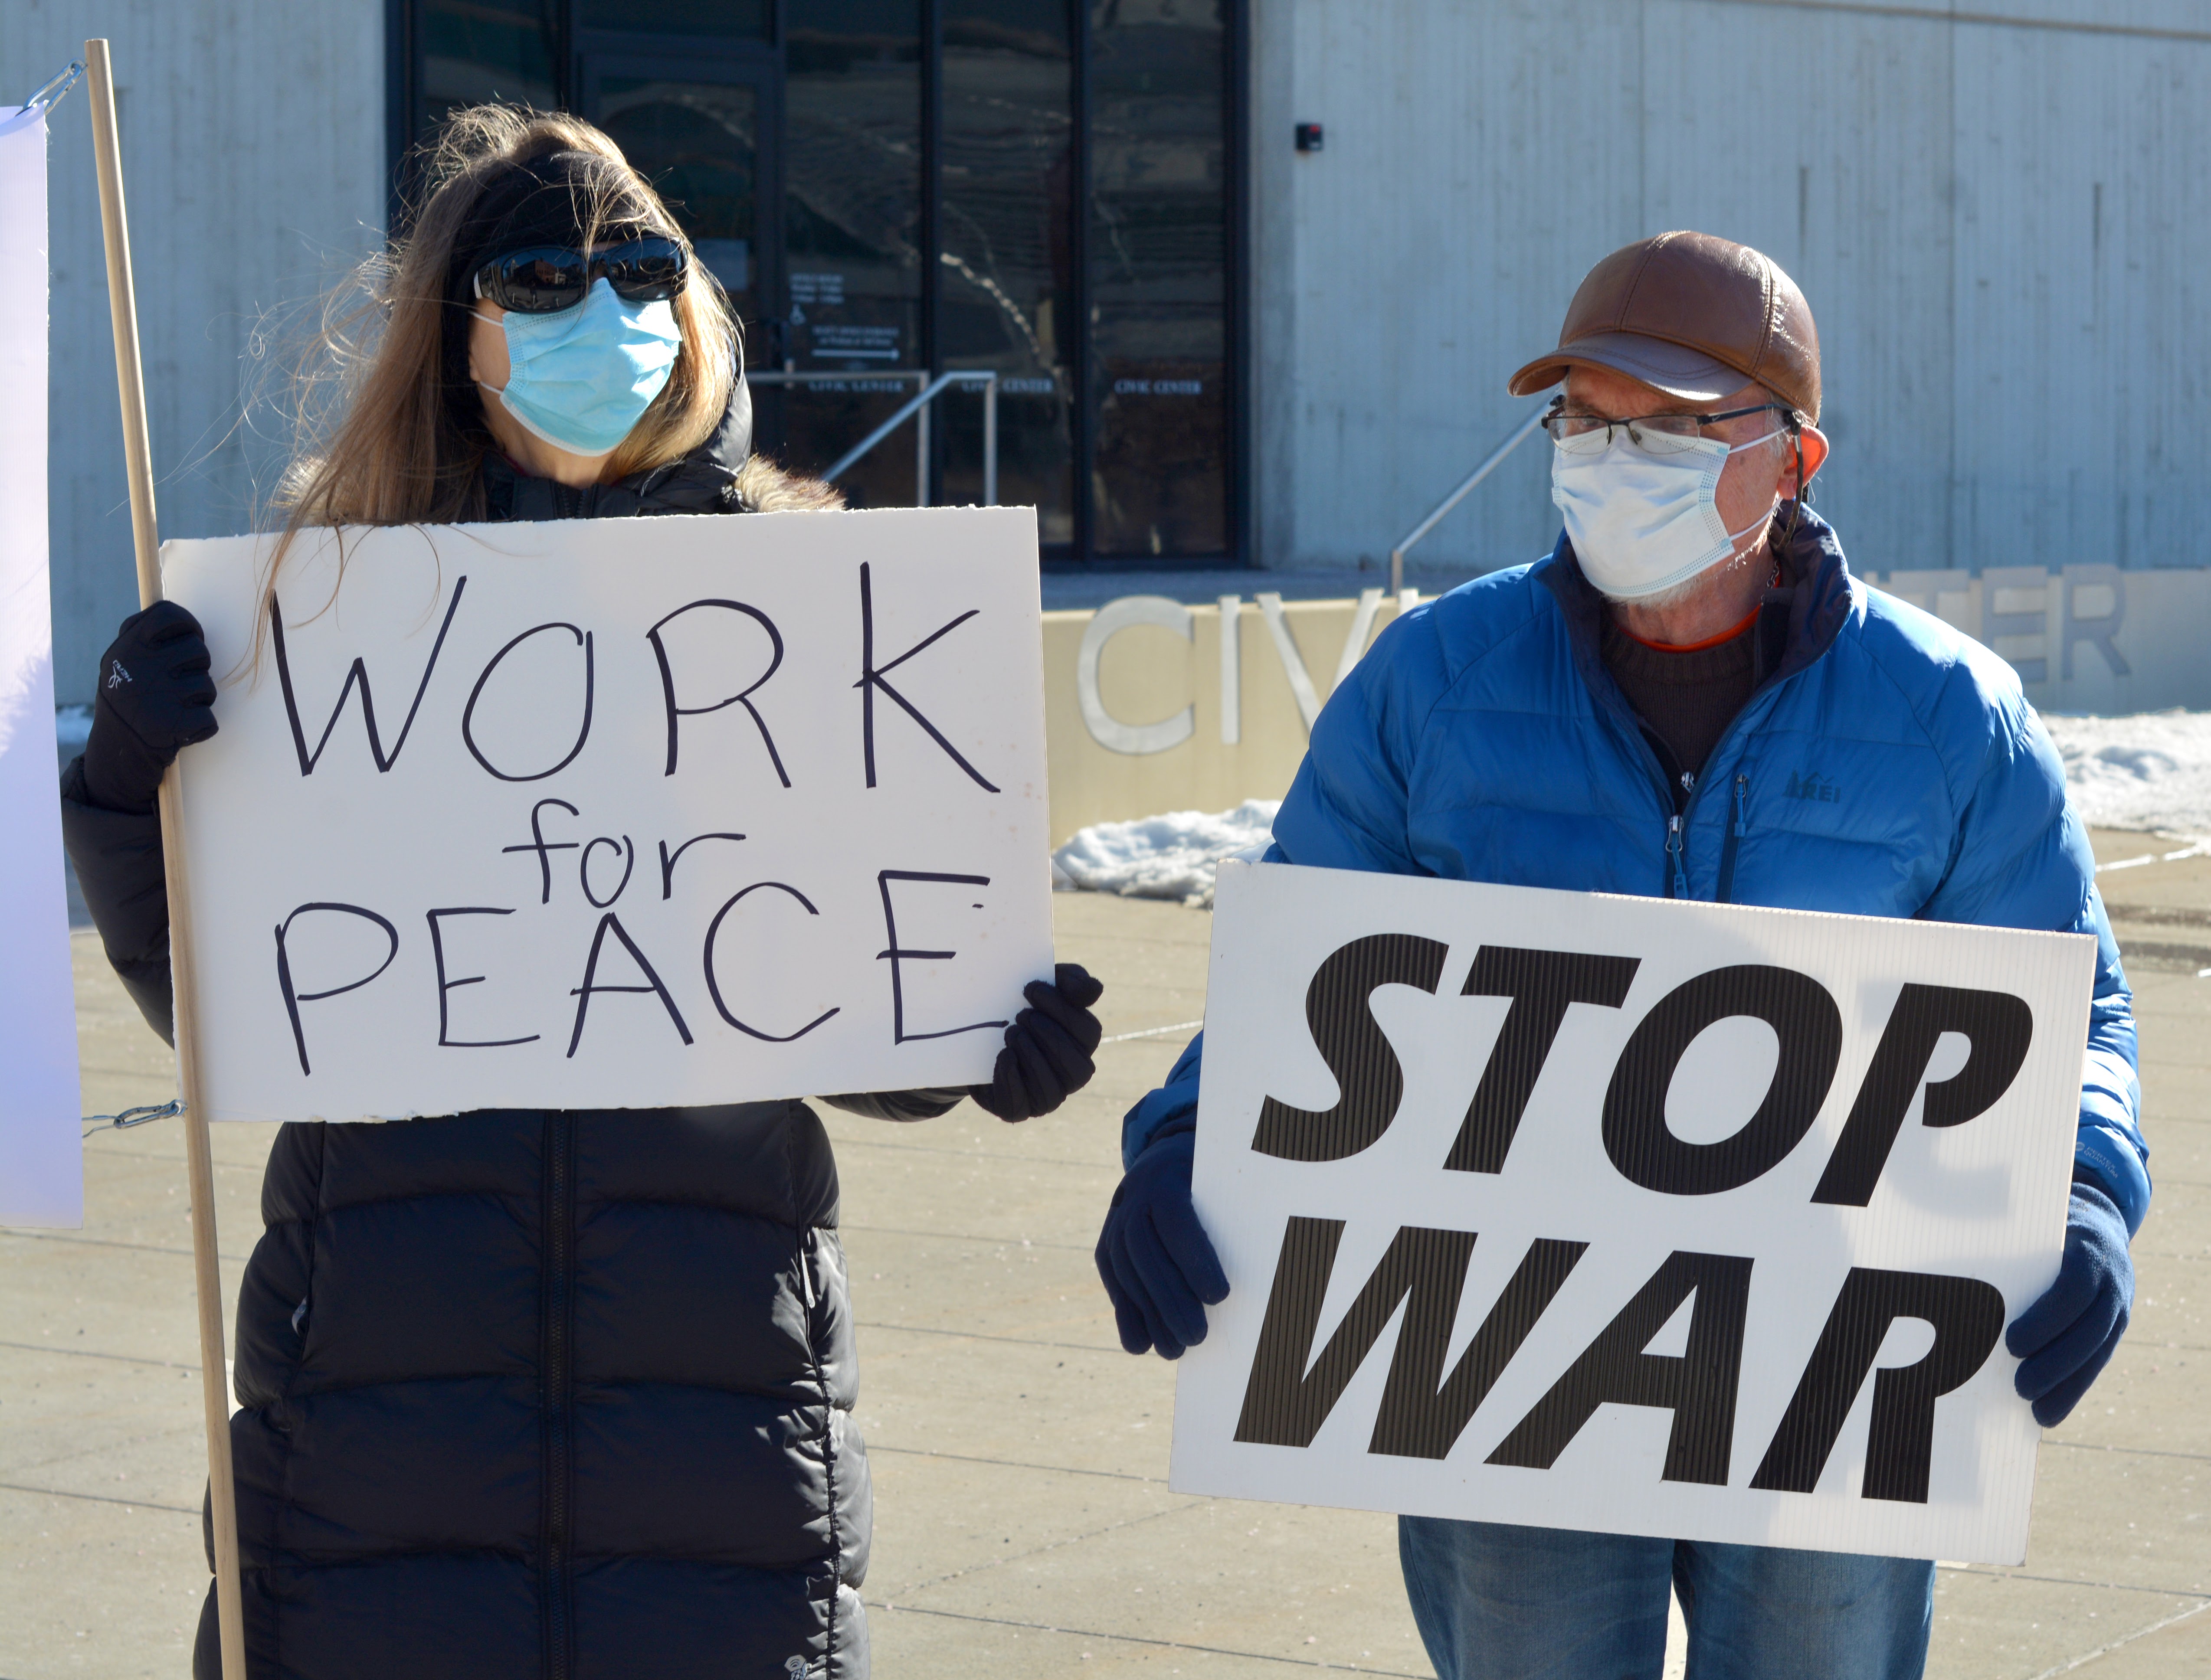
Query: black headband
544	202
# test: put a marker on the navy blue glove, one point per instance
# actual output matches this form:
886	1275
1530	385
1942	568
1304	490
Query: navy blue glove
2065	1340
156	697
1047	1055
1157	1262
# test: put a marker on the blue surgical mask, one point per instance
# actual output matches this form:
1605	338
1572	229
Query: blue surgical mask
582	378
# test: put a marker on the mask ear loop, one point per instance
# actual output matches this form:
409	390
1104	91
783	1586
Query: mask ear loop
1804	491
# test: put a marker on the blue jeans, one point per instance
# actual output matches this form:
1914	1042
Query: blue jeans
1499	1603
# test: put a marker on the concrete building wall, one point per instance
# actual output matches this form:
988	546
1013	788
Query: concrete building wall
253	156
2002	225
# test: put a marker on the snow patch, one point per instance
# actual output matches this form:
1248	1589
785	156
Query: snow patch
2149	771
1169	856
2152	770
72	728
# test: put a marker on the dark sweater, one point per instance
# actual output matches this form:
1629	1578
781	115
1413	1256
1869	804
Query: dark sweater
1686	698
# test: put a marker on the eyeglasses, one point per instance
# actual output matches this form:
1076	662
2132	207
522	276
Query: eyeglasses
543	280
1655	434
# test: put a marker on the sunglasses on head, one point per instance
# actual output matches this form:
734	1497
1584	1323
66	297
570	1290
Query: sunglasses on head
543	280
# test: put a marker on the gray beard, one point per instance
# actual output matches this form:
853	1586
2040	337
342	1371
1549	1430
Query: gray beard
1689	588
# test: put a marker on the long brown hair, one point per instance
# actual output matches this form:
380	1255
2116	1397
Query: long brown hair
381	439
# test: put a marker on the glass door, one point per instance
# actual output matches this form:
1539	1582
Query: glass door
856	313
1048	189
704	133
798	183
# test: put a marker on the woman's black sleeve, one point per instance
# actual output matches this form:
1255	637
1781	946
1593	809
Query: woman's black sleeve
901	1104
118	855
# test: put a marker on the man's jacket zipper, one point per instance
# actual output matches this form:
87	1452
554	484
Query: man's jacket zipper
1680	808
1738	825
1677	826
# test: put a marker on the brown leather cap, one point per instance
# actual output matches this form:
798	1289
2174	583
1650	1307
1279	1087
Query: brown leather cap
1680	313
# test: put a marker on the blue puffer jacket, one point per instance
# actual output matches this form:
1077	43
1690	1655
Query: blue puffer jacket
1885	765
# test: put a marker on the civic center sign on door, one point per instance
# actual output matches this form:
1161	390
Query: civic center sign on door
1621	1214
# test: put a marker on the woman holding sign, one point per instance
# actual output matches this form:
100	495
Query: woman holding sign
533	1393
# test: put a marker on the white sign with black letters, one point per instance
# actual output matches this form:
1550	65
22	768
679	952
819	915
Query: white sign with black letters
1612	1213
616	813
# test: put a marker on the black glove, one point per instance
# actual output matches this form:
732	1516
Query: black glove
156	697
1047	1055
1157	1262
2064	1340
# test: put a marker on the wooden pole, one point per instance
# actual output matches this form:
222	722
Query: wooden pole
199	1165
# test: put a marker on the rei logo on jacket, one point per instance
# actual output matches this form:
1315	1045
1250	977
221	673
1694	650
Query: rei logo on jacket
1814	786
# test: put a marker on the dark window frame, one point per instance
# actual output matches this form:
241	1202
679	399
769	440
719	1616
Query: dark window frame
932	220
598	53
1082	430
404	81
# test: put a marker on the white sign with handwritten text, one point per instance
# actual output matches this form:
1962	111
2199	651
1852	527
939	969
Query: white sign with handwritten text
615	813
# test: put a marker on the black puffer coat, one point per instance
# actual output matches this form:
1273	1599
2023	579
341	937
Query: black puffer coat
566	1394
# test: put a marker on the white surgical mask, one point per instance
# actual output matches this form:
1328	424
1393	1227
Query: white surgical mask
1642	522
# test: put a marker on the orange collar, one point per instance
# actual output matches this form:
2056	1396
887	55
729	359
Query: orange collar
1696	647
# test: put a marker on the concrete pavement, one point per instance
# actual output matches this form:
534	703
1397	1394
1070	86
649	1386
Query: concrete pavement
1023	1520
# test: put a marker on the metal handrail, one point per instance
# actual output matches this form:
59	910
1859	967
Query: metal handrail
898	376
919	405
1489	465
918	409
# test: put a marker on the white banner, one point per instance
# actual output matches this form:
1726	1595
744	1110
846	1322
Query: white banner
616	813
41	1146
1613	1213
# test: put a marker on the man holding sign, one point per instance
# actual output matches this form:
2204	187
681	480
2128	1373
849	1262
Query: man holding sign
1691	699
